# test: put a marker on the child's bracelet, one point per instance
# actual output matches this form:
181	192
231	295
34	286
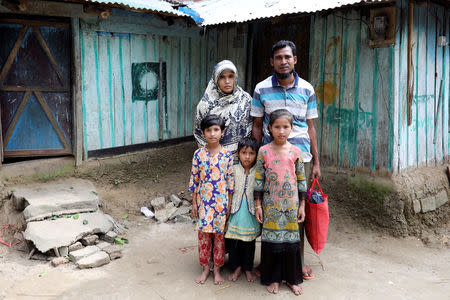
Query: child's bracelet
259	206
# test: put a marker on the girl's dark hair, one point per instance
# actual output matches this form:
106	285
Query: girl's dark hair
276	114
248	142
211	120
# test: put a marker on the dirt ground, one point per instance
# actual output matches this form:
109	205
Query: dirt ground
360	260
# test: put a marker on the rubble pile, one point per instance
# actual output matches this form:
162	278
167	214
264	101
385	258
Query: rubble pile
64	221
176	208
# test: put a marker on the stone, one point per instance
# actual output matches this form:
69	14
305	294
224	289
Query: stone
164	214
89	240
95	260
76	246
102	245
416	206
158	203
63	251
63	197
428	204
75	256
49	234
188	196
59	261
113	251
441	198
175	200
186	203
183	210
109	237
183	219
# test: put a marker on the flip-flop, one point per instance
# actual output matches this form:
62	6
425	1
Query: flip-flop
308	274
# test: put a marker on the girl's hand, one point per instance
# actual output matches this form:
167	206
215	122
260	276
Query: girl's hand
194	211
259	214
301	212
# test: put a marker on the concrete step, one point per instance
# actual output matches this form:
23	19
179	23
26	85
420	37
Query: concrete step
67	196
50	234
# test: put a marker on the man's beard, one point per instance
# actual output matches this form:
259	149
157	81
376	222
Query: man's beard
284	75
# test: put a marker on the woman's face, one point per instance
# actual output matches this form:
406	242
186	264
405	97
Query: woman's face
226	81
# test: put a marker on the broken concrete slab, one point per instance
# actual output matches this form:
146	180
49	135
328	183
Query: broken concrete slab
76	246
58	198
183	210
49	234
109	236
158	203
59	261
63	251
95	260
441	198
183	219
103	245
75	256
164	214
113	251
175	200
89	240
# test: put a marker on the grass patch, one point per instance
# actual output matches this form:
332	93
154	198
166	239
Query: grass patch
369	189
60	173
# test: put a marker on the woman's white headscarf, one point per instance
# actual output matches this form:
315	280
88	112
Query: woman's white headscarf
234	108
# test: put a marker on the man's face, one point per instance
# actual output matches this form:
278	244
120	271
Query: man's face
283	61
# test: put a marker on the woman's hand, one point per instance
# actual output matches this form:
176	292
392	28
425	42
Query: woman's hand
259	214
194	211
301	211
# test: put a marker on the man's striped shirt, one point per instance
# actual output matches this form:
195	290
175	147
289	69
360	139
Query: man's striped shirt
299	99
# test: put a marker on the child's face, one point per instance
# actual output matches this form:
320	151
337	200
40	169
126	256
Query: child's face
247	156
280	129
213	134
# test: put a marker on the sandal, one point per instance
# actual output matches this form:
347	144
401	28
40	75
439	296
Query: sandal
307	273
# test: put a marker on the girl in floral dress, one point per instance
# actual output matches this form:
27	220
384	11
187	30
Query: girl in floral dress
280	190
211	185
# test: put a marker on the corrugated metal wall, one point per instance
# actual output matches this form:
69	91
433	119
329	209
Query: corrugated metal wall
422	143
110	117
362	95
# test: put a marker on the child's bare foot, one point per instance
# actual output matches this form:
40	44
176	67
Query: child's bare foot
273	288
249	275
202	278
235	275
218	279
296	289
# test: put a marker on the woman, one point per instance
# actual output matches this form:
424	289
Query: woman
225	98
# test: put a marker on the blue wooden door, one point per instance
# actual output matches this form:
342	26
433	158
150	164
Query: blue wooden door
35	101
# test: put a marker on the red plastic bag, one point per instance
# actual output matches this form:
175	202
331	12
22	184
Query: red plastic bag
317	217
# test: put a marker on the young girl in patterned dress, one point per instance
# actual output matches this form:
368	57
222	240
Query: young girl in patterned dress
242	227
280	190
211	185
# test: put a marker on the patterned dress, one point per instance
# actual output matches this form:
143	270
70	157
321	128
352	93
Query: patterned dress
212	178
280	178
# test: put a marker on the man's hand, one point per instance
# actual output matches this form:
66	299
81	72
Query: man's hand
315	172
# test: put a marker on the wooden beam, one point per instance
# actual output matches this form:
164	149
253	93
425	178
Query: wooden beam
15	5
10	88
49	54
16	118
34	23
37	152
76	94
13	53
102	12
52	120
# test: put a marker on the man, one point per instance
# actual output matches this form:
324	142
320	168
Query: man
285	89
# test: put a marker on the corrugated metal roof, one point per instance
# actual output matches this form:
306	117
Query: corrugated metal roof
145	5
228	11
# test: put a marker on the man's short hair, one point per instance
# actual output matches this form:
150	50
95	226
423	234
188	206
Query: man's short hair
282	44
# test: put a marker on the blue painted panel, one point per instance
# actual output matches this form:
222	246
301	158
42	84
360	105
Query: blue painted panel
34	130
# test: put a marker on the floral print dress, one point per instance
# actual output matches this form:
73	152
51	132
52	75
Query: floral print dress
212	179
281	179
